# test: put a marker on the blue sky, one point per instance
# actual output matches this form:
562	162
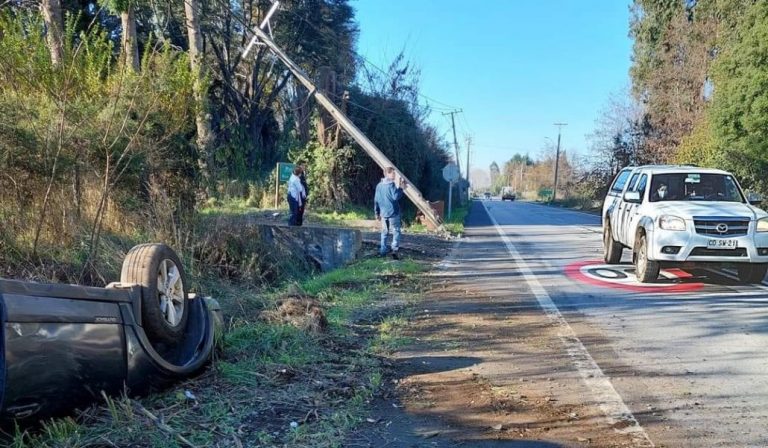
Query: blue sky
515	67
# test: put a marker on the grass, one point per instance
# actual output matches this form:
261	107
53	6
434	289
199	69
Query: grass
333	217
240	207
267	375
454	225
578	203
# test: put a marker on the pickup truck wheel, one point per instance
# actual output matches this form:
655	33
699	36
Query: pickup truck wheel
752	273
158	270
647	271
612	250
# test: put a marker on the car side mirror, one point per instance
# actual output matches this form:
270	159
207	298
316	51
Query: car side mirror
754	199
633	197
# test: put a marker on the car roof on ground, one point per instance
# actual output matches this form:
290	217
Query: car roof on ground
669	169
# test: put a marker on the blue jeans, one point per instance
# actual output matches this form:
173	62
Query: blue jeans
393	223
293	220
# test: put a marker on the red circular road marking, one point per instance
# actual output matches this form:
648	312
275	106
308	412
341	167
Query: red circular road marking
579	271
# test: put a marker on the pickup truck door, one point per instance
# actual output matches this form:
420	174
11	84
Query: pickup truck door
633	214
623	212
614	198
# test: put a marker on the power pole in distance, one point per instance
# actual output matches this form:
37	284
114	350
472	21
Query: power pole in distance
557	158
469	143
455	142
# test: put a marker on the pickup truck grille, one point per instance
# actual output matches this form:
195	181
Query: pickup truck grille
721	227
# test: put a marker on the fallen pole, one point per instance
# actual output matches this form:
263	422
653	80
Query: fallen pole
411	191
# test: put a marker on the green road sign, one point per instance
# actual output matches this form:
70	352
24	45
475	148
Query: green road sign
545	193
284	171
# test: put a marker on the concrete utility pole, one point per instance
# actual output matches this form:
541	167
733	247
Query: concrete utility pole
557	158
455	142
411	191
469	173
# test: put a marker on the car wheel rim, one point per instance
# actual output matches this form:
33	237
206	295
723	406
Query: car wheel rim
170	292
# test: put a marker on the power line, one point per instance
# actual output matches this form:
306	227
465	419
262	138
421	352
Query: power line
466	123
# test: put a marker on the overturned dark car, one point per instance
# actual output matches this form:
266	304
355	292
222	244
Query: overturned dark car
62	345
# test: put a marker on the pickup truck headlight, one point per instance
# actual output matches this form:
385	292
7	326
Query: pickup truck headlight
672	223
762	225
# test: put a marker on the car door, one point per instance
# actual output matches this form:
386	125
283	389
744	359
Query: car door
613	200
634	214
624	209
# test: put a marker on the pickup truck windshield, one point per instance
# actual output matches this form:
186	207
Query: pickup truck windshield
694	187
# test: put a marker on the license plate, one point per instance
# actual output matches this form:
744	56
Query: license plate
723	244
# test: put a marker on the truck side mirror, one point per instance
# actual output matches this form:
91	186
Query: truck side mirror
754	199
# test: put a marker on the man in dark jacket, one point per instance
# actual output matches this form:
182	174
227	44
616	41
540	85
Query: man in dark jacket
387	209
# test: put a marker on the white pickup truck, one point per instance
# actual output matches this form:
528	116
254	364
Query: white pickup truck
670	216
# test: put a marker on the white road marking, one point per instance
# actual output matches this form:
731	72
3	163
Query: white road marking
616	411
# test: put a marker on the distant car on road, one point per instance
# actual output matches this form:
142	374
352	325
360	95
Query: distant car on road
487	195
674	215
508	195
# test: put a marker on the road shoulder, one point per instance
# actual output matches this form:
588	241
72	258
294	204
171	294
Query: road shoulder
486	364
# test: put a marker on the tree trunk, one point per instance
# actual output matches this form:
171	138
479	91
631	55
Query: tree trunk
130	42
203	117
302	106
325	123
55	25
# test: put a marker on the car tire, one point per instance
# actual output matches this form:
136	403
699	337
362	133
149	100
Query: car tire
160	273
612	250
752	273
647	271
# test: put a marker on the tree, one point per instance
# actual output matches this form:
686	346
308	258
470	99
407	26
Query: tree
739	113
129	40
205	137
252	99
675	45
495	172
54	25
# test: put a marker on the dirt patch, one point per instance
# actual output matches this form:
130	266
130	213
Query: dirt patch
303	313
427	247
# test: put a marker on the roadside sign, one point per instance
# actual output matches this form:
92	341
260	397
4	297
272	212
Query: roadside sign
545	192
284	171
451	172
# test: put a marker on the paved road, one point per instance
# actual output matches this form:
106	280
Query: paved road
688	358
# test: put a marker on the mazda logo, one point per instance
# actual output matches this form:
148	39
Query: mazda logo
722	228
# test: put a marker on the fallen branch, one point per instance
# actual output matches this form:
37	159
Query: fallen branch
162	425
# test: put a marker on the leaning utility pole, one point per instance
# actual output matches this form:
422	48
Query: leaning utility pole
455	142
557	157
411	191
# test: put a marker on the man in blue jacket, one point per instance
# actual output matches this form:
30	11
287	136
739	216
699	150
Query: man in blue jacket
387	209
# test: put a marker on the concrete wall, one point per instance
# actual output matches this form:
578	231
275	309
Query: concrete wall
327	247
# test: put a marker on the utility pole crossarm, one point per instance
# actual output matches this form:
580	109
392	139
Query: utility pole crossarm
411	191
